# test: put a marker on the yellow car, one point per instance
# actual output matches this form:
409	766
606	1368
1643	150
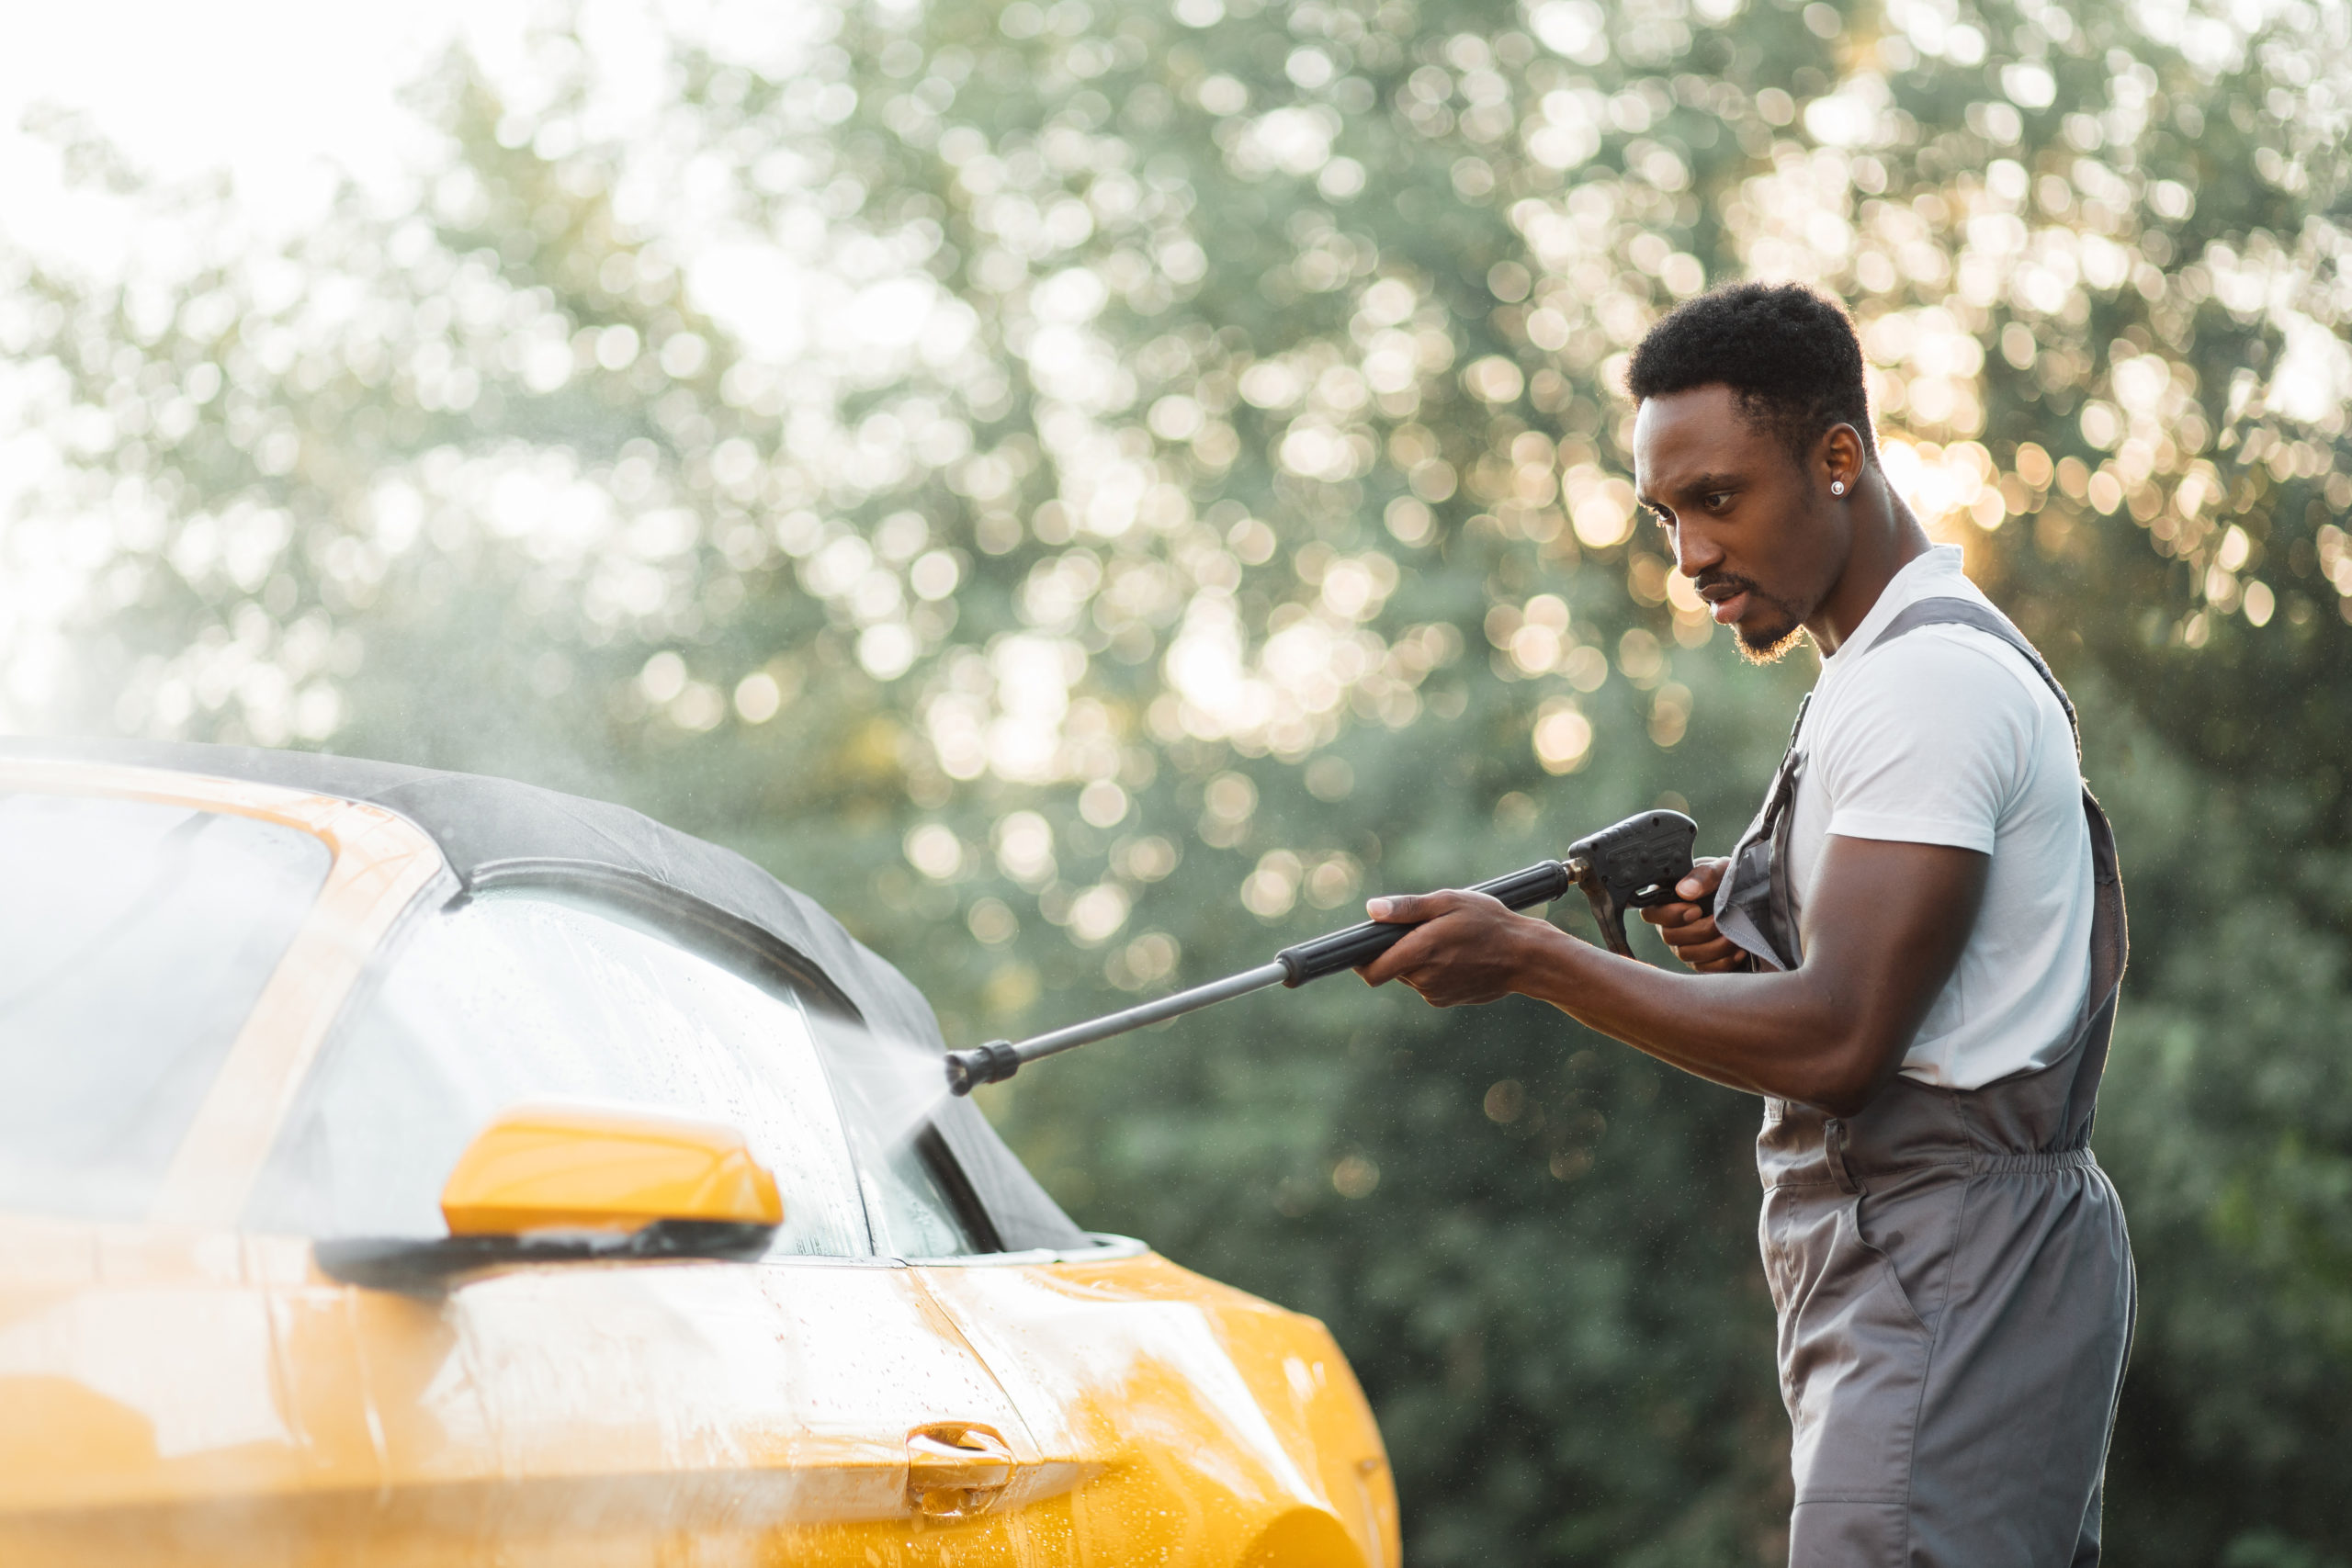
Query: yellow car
403	1166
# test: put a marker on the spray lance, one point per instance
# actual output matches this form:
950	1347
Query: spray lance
1632	866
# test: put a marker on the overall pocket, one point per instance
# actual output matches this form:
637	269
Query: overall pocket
1911	1223
1854	1351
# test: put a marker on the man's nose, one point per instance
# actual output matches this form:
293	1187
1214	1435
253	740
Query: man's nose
1695	552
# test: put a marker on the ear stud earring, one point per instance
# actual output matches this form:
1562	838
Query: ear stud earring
1837	487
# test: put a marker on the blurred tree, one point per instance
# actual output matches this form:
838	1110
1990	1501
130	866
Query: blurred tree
1087	492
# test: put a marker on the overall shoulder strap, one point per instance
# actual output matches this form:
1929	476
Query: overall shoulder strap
1956	612
1796	726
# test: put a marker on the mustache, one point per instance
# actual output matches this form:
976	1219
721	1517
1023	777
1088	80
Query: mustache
1708	580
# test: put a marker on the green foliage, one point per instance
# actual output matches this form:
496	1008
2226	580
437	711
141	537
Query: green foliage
1087	492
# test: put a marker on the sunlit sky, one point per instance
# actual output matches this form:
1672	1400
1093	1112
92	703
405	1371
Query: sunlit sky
286	99
276	93
281	94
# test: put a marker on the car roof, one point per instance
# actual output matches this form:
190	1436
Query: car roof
491	830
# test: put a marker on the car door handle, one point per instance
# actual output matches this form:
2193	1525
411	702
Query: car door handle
956	1469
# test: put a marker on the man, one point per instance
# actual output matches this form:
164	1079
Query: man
1912	956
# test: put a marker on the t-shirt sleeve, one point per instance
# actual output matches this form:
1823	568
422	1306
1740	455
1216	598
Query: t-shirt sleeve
1929	745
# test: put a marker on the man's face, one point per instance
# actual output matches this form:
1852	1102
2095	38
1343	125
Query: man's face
1746	519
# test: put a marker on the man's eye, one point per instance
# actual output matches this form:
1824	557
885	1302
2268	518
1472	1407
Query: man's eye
1718	500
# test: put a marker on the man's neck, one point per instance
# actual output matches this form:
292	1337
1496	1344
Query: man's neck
1887	538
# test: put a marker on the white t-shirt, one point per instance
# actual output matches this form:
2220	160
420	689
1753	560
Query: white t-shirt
1948	736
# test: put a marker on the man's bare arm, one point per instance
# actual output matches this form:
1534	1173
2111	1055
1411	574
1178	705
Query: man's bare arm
1884	927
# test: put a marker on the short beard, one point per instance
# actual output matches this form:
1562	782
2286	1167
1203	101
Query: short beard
1768	643
1769	647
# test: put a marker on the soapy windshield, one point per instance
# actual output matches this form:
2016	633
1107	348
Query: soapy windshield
134	937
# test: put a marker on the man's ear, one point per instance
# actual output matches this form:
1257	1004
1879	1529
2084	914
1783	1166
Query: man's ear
1840	458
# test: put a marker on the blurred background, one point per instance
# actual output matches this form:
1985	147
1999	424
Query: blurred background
1089	490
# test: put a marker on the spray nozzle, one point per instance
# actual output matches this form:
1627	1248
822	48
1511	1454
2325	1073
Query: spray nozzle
991	1063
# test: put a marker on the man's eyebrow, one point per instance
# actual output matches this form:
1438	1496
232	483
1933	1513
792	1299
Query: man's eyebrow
1697	484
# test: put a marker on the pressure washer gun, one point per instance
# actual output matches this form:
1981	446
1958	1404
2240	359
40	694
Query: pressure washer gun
1632	866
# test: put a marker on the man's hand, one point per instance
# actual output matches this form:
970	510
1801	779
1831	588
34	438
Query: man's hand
1469	949
1689	927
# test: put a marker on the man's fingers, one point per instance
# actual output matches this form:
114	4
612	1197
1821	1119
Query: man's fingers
1700	880
1699	956
1416	909
1398	959
1704	928
1664	915
1406	908
1426	978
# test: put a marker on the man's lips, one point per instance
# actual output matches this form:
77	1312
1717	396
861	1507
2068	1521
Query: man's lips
1725	601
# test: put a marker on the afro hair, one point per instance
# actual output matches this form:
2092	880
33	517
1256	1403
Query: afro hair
1789	355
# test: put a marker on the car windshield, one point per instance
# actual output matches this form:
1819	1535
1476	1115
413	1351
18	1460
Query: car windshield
134	937
531	997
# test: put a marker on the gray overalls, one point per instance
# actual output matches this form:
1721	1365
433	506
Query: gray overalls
1954	1281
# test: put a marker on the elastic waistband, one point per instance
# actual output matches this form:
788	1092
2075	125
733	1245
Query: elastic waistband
2003	1165
1817	1165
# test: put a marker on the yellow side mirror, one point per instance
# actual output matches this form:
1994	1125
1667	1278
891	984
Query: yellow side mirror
562	1167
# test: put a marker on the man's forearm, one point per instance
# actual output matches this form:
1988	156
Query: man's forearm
1773	1034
